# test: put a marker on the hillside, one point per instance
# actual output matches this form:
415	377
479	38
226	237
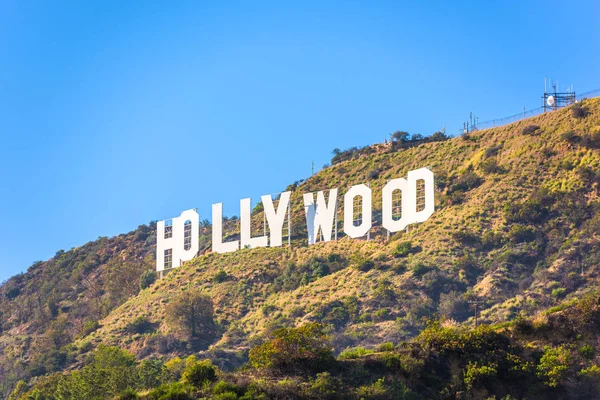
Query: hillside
515	228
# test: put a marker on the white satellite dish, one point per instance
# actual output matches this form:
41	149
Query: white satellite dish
551	101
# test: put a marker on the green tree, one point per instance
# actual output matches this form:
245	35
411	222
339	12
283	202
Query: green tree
400	136
191	312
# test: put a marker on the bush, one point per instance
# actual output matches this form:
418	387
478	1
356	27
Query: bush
492	151
403	249
226	387
147	278
128	394
140	325
325	386
477	374
387	346
382	314
587	351
291	349
570	137
553	365
523	324
559	293
591	140
220	277
199	373
530	129
490	166
521	233
420	269
364	265
453	305
373	174
89	327
354	353
467	181
466	238
592	372
172	391
579	111
333	257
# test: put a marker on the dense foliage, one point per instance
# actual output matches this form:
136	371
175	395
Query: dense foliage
443	361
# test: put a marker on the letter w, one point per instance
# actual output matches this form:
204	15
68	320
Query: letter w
320	215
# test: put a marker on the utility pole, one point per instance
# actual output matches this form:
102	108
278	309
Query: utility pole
475	304
313	168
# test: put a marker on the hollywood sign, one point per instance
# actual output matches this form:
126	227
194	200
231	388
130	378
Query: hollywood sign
177	239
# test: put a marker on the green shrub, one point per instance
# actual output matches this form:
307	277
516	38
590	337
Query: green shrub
570	137
419	269
467	238
140	325
523	325
373	174
553	365
490	166
307	347
382	314
354	353
559	293
220	277
199	373
171	391
579	111
403	249
587	351
492	151
387	346
591	140
89	327
376	390
477	374
147	278
521	233
325	386
365	265
332	257
492	240
467	181
226	387
226	396
128	394
592	373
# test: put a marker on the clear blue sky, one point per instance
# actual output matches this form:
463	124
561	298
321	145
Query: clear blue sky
117	113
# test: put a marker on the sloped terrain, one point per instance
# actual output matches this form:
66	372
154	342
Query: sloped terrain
515	228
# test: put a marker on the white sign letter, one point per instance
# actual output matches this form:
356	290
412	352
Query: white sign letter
413	177
365	193
276	219
217	232
177	242
387	205
246	227
320	215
